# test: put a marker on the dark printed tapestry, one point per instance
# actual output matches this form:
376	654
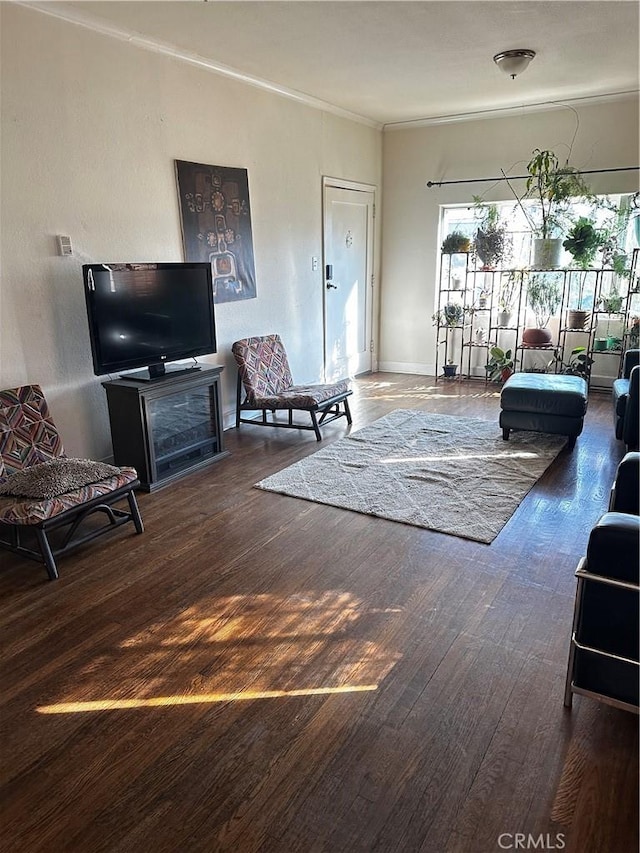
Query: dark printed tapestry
216	226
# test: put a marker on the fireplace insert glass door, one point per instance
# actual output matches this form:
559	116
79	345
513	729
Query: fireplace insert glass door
168	427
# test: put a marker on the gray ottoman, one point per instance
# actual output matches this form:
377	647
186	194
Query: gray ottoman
544	402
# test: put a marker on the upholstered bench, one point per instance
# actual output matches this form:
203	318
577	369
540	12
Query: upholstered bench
544	402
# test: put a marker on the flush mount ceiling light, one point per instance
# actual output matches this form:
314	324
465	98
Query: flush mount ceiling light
514	62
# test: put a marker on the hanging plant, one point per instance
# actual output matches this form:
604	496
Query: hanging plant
582	242
488	247
492	243
612	303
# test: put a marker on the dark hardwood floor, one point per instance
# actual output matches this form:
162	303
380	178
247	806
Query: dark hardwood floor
261	673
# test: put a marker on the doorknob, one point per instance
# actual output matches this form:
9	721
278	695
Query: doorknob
331	286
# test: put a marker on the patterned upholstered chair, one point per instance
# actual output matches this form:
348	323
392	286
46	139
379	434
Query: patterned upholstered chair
29	437
265	377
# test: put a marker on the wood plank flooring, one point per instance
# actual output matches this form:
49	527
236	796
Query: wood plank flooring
260	673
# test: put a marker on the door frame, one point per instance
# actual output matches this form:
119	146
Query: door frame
371	319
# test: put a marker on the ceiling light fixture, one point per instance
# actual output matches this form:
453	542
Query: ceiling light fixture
514	62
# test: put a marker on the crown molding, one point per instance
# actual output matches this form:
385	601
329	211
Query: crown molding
506	112
72	16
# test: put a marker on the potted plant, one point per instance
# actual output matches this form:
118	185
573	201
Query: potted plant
579	363
450	369
509	288
577	316
454	243
452	314
577	319
553	188
543	297
491	244
611	304
500	365
583	241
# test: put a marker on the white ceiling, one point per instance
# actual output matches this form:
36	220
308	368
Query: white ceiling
396	61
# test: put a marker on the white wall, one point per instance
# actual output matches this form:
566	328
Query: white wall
90	129
607	137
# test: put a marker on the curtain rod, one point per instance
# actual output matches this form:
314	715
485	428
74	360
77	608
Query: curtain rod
523	177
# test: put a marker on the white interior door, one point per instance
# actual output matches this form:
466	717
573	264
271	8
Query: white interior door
348	281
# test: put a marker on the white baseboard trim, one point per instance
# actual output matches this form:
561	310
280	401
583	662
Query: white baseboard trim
407	367
602	383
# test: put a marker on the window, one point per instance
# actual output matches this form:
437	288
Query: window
465	218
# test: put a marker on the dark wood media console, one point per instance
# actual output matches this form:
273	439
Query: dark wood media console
168	427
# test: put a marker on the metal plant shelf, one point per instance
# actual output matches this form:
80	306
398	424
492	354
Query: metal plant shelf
456	343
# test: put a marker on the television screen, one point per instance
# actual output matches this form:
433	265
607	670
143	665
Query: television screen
146	315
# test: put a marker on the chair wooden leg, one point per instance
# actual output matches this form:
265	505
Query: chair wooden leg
238	398
316	428
135	512
347	410
47	554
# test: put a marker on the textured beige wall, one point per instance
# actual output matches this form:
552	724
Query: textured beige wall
607	137
90	129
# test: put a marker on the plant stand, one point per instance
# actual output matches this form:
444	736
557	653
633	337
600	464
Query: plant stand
454	268
461	345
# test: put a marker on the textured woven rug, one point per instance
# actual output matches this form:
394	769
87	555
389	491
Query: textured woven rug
451	474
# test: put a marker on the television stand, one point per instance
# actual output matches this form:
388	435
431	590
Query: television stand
169	427
160	371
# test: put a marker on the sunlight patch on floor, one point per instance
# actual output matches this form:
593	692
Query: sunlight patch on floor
172	701
255	617
517	454
431	392
232	648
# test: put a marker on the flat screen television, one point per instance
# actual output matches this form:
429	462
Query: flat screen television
147	315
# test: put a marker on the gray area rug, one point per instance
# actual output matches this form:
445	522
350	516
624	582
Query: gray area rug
451	474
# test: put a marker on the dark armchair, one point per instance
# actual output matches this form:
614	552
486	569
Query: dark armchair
626	400
603	659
